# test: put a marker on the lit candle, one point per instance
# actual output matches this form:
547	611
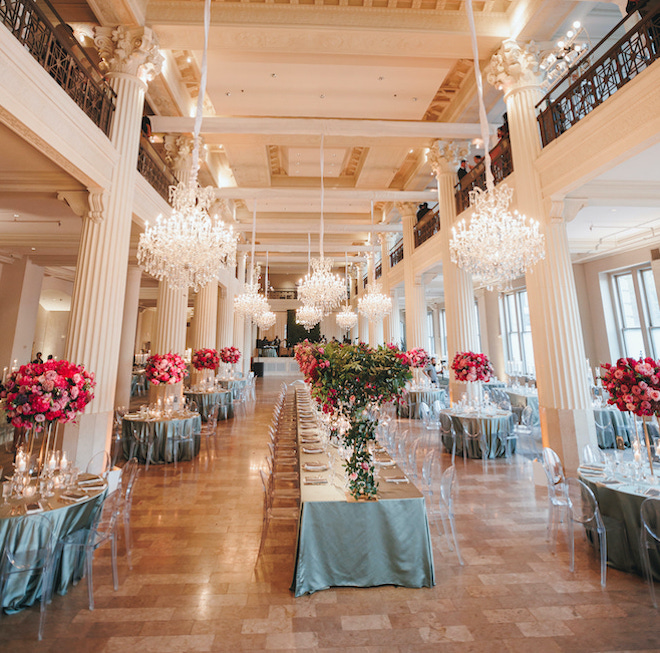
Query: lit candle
638	456
4	374
63	462
52	463
21	462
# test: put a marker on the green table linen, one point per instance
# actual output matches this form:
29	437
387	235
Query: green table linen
24	590
496	427
206	400
163	432
414	398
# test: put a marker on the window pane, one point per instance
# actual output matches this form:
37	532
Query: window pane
528	351
511	313
627	301
429	326
524	311
655	342
478	326
514	347
651	297
633	343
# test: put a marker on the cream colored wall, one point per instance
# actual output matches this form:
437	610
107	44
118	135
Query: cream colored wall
50	332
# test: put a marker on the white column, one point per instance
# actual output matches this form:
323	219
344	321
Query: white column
239	326
459	292
372	326
98	294
171	309
127	341
415	294
385	280
204	325
225	320
395	317
561	373
20	289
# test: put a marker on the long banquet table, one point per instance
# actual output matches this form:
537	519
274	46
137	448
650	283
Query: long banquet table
163	432
619	500
65	517
347	543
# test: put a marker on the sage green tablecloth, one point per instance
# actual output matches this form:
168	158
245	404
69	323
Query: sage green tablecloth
24	590
235	385
621	422
163	431
496	427
344	543
619	504
414	398
206	400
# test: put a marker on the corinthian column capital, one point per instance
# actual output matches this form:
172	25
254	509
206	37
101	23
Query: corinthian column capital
445	156
406	209
514	66
178	151
129	50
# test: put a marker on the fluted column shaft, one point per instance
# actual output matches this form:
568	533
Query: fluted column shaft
171	309
561	373
128	331
204	325
395	318
225	320
415	293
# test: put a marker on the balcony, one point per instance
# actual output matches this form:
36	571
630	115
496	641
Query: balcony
154	169
428	226
378	272
280	293
581	91
51	42
501	166
396	254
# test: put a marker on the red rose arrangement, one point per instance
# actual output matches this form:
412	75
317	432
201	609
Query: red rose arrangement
206	359
40	393
418	357
230	355
166	368
633	385
469	366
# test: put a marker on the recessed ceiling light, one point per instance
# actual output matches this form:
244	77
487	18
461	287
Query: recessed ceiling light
16	215
414	99
322	96
228	93
410	151
34	249
273	75
381	78
189	59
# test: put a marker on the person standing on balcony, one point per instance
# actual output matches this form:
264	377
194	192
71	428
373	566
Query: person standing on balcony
462	171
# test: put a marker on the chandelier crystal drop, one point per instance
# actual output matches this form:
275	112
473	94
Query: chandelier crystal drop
497	246
309	316
346	318
189	248
374	305
251	304
322	289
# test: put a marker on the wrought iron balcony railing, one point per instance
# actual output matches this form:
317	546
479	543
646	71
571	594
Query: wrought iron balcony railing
378	272
501	165
577	95
154	169
396	255
51	42
280	293
428	226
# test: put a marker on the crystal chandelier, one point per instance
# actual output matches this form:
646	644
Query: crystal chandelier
346	318
250	304
374	305
189	248
497	246
309	316
566	56
266	320
322	289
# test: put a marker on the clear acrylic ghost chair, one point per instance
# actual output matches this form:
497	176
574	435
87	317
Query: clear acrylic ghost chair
474	435
102	529
411	457
129	474
99	463
650	539
605	434
447	432
446	505
592	455
29	549
557	491
425	415
183	435
428	467
401	448
583	509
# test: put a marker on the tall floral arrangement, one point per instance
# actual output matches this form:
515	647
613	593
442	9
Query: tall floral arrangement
40	393
166	369
230	355
633	385
469	366
352	381
418	357
206	359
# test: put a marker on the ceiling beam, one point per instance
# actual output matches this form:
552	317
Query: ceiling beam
284	227
330	194
290	247
404	129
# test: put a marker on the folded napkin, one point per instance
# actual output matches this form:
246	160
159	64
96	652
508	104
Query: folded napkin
33	508
94	488
315	467
652	492
315	480
310	440
73	495
610	482
386	463
88	479
593	468
312	450
397	479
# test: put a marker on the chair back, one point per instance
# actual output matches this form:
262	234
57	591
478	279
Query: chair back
446	424
424	411
99	463
29	545
552	466
427	467
447	486
128	477
582	503
527	416
650	518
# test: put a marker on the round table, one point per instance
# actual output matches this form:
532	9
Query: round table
65	517
619	500
496	426
163	432
206	399
235	385
416	397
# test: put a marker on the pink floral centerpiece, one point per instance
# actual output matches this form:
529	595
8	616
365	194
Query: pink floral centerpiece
633	385
469	366
418	357
206	359
166	369
230	355
41	393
